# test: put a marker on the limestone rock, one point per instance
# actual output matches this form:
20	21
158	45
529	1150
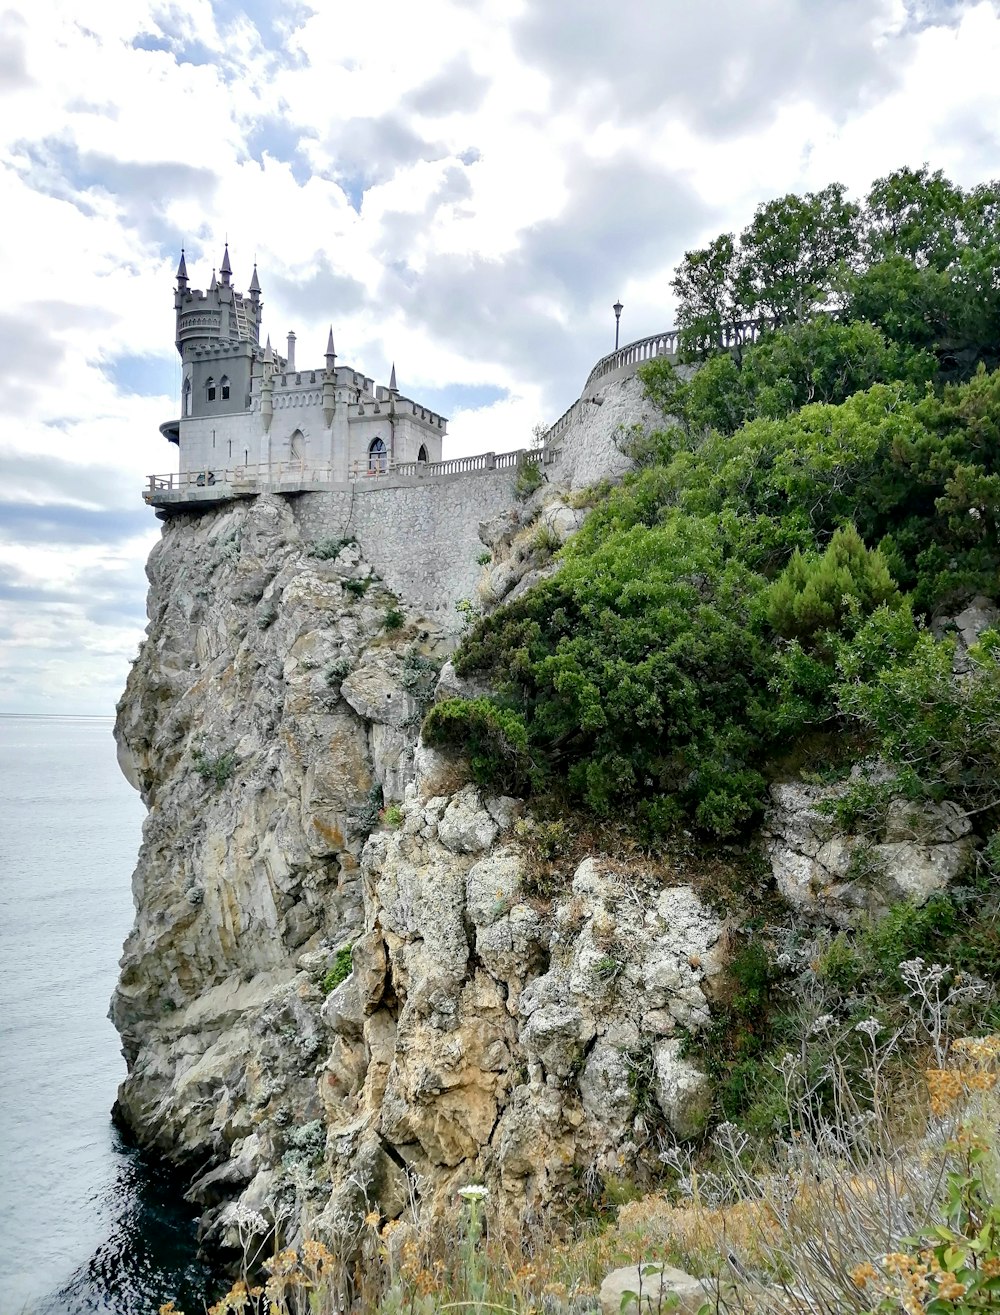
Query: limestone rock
657	1287
980	614
466	827
682	1090
922	848
482	1030
374	692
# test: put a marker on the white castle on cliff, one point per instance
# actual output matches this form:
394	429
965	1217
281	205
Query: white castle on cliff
246	410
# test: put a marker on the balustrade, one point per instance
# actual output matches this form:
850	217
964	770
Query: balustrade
289	476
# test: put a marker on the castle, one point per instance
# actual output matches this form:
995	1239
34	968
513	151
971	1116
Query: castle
250	415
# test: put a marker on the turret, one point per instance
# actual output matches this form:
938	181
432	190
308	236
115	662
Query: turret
330	382
267	388
290	366
217	334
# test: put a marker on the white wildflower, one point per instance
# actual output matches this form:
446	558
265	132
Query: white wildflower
822	1024
474	1192
870	1026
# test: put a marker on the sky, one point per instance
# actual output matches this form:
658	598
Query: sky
463	187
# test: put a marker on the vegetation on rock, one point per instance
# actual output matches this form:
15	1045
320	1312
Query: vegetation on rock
810	504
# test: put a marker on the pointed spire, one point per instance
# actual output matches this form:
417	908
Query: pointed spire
268	353
255	282
214	283
392	379
225	269
329	343
182	272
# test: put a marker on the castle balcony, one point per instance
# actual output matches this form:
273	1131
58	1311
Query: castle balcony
198	490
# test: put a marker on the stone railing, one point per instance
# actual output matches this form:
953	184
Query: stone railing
738	334
287	477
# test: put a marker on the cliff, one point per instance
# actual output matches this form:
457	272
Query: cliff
299	835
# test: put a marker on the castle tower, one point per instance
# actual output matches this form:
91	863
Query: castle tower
251	417
217	338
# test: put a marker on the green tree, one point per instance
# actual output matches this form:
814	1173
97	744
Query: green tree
705	285
832	591
791	251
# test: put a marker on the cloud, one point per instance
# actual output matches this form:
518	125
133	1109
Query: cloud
536	309
145	376
455	89
30	353
450	398
69	523
325	293
274	23
367	151
145	190
282	140
14	74
725	67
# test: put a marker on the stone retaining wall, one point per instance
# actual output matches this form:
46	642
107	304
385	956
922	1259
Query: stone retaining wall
422	539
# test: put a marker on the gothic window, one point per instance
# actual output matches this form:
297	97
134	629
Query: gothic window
186	406
297	447
378	456
210	389
422	454
224	385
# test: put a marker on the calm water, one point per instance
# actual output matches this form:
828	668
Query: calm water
86	1225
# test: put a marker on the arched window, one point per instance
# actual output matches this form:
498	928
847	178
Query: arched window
378	457
186	397
210	389
422	454
224	385
297	447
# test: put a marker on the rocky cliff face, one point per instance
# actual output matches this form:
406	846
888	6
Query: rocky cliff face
344	988
480	1031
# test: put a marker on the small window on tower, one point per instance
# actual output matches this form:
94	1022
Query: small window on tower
187	396
422	454
210	389
224	385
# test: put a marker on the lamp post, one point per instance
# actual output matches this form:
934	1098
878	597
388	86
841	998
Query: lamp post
617	308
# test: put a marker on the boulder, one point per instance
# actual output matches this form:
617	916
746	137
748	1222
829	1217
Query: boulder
658	1289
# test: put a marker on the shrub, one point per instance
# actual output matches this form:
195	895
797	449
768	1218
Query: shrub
493	737
339	971
218	770
393	816
529	478
639	671
394	619
835	591
356	587
338	669
366	817
327	549
484	558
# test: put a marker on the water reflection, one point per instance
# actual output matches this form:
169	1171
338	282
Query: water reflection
149	1254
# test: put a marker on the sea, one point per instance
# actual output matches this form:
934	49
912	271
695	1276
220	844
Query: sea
87	1222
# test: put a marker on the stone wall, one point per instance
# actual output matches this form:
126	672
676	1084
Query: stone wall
423	539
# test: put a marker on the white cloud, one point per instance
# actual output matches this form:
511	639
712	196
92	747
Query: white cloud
464	188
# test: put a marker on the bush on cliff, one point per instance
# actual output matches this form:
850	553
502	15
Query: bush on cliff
494	738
